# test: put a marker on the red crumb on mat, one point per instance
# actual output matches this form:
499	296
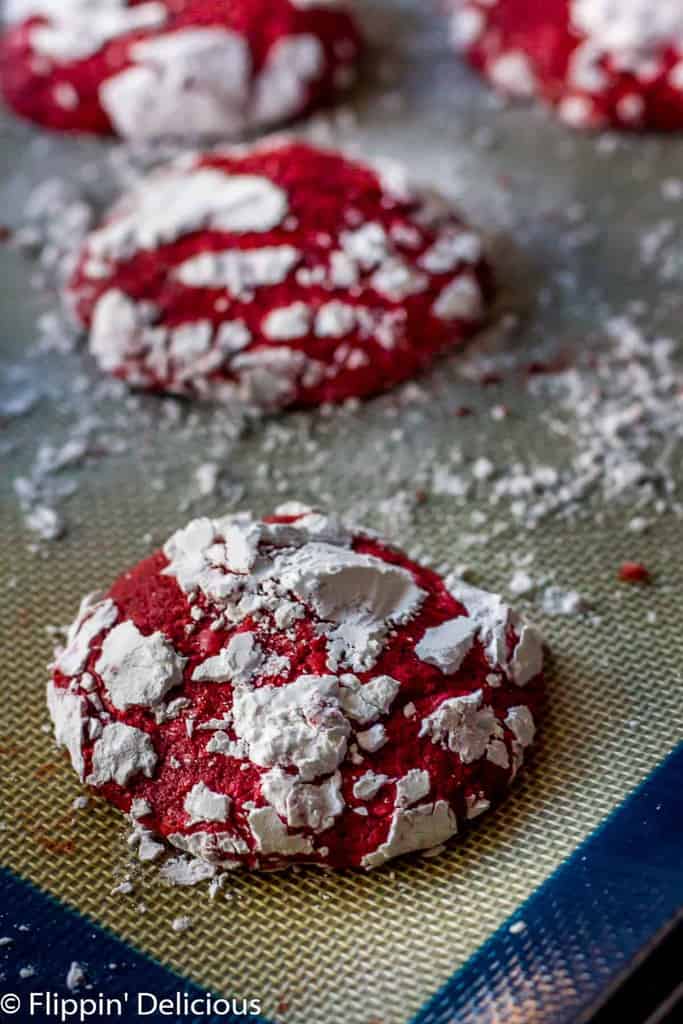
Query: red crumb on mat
634	572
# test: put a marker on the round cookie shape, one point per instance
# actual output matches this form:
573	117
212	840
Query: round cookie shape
176	68
262	693
599	63
277	275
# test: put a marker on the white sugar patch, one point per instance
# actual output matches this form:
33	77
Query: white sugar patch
75	32
175	203
239	270
203	804
121	753
420	828
93	618
447	645
192	81
465	725
636	27
137	669
300	724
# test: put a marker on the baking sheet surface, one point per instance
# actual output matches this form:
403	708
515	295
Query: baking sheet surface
581	232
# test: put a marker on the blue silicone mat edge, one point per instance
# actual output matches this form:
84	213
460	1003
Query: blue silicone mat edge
47	936
570	943
552	961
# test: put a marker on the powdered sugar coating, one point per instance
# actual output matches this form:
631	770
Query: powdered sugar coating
598	62
174	67
278	275
637	27
248	743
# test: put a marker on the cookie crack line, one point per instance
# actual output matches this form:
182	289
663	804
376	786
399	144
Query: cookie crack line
293	690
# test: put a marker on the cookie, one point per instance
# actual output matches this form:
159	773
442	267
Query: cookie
277	275
597	62
174	67
262	693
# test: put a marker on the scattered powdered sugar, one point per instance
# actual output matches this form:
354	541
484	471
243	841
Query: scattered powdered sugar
556	601
619	411
48	483
55	220
181	924
104	419
186	871
627	418
521	583
76	976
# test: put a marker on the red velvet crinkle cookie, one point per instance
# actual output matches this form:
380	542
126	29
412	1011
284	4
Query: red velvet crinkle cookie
599	62
147	68
291	690
281	274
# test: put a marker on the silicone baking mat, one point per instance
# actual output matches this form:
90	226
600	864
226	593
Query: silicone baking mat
581	231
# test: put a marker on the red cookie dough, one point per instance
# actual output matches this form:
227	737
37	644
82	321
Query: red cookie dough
149	68
277	275
291	690
599	63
